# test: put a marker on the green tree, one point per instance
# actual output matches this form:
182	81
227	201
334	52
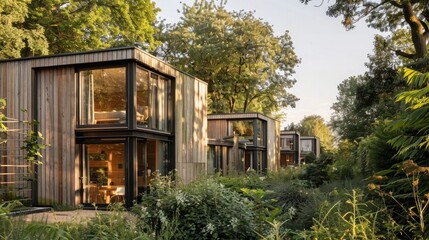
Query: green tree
388	16
365	99
35	27
346	120
246	66
13	36
314	125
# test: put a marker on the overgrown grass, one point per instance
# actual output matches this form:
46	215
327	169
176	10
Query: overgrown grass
276	206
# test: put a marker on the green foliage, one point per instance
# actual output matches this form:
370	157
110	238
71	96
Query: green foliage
367	99
414	123
3	128
246	67
345	166
388	16
32	146
250	180
351	218
13	36
204	209
315	174
314	125
33	27
407	195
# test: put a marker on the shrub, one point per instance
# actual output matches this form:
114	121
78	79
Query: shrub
206	209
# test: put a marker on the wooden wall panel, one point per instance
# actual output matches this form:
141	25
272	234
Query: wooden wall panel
273	144
217	128
56	110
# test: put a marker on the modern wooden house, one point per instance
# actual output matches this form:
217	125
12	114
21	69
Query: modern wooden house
242	141
111	117
309	145
290	148
294	148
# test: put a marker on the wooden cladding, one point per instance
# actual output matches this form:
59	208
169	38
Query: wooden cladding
56	112
46	87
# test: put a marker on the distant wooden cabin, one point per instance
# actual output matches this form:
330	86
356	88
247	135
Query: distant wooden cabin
294	148
112	117
239	142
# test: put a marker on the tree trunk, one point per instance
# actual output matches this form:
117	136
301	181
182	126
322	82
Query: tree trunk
417	31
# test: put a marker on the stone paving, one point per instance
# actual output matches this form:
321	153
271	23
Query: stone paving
62	216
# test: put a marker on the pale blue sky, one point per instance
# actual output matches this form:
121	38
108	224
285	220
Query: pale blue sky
329	54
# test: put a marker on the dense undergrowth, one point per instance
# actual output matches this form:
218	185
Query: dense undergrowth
275	206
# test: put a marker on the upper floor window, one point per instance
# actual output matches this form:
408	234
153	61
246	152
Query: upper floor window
306	145
243	128
103	96
287	143
154	101
251	130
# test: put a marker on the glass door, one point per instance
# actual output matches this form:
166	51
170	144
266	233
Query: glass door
152	155
103	173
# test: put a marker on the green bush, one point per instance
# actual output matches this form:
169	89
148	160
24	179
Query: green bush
200	210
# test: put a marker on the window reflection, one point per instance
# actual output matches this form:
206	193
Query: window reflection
103	96
153	101
243	128
105	173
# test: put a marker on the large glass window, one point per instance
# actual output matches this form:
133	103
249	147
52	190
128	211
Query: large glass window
260	137
306	145
103	96
243	128
104	173
154	101
152	155
287	143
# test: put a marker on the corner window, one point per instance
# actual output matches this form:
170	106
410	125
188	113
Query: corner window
287	143
103	96
243	128
306	146
154	101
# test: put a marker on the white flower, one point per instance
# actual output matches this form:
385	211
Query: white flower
210	228
181	198
234	223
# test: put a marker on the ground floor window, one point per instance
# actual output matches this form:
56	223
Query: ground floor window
104	172
287	159
120	170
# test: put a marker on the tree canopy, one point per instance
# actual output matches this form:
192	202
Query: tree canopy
246	66
314	125
388	16
362	100
14	37
36	27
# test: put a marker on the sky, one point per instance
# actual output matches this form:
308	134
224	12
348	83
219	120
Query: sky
329	53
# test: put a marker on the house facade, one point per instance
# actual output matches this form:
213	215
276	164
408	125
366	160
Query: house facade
242	141
112	118
294	148
290	148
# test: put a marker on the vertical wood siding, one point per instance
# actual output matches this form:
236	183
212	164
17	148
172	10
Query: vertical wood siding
56	110
56	96
273	145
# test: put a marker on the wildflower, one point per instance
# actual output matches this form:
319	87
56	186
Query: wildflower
210	228
181	198
234	223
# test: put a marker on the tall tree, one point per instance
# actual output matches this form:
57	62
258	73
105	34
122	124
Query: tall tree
365	99
61	26
13	36
346	120
388	15
314	125
246	66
